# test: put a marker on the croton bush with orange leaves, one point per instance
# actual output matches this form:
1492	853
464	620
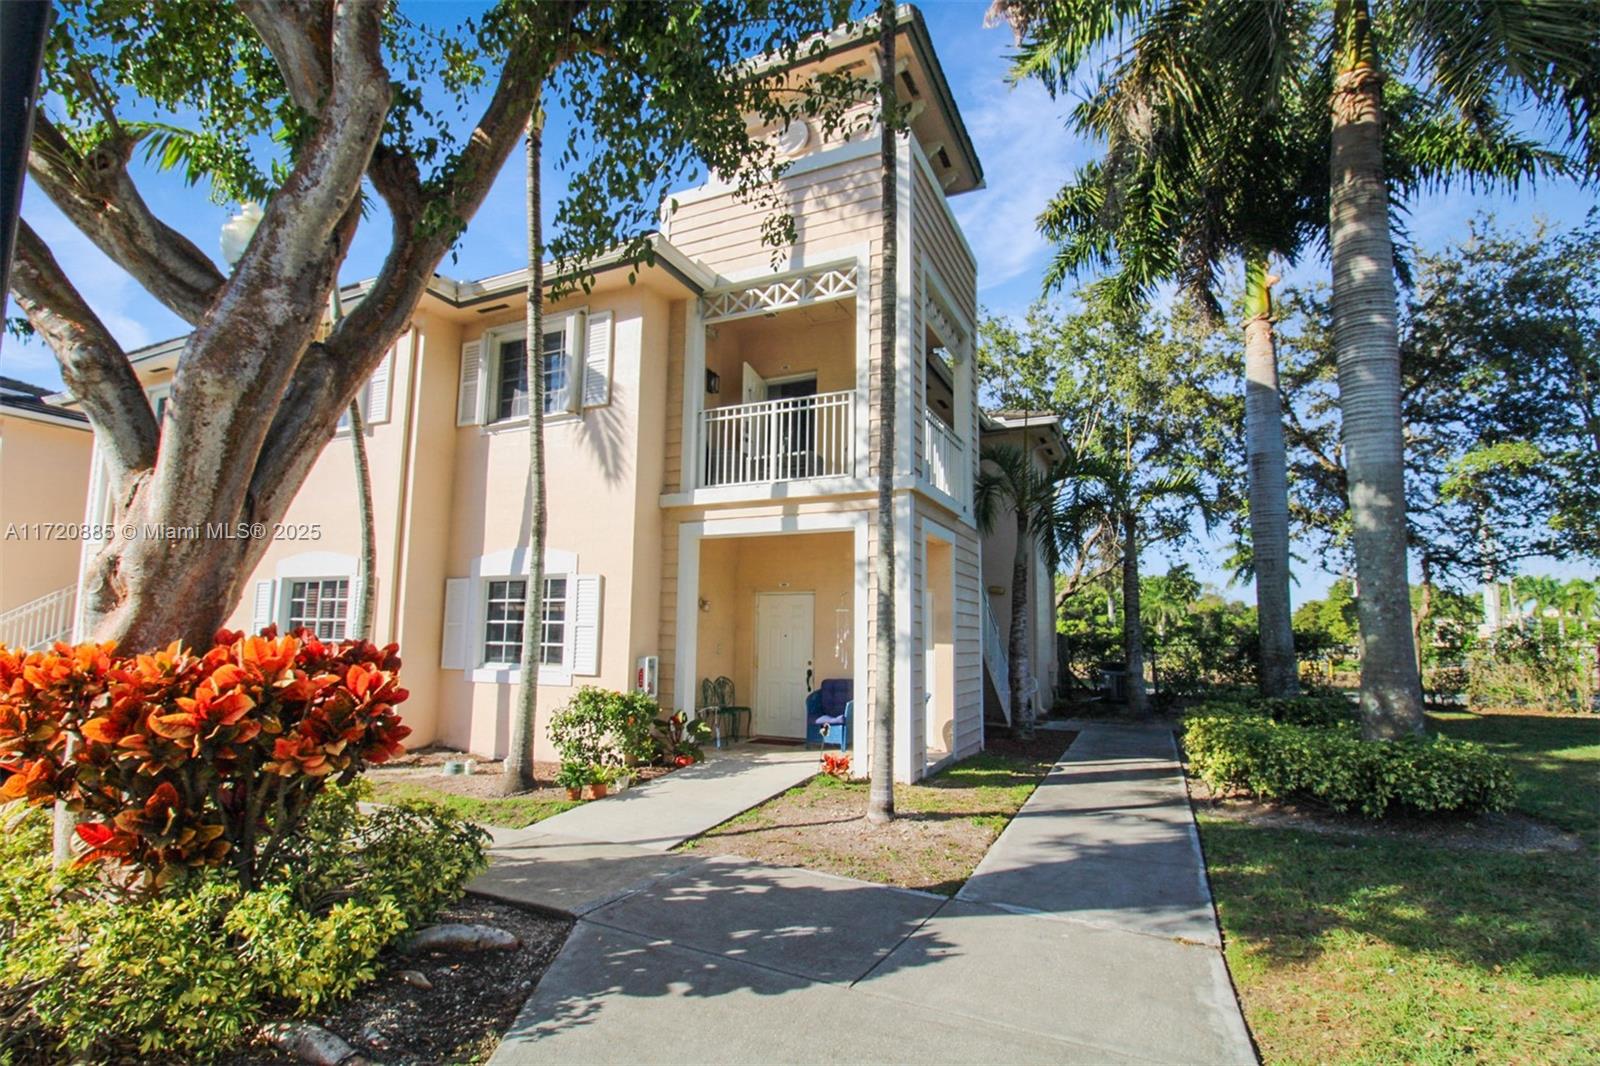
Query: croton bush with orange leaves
178	760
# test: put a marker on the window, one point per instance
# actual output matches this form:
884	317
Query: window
322	606
510	398
502	622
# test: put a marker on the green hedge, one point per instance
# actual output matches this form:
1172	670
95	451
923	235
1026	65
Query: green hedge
89	974
1327	712
1335	767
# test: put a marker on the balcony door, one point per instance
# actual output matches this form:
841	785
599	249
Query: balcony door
794	422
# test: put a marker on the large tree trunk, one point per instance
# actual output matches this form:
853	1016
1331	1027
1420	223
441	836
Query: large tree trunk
1132	623
880	799
1366	341
1018	659
256	397
1269	485
518	769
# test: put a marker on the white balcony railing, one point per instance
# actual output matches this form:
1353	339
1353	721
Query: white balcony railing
943	458
778	440
41	622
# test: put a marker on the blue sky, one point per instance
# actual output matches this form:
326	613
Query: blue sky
1019	135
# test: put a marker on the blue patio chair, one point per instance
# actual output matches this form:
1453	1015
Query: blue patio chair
829	710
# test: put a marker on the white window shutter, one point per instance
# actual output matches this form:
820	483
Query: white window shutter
586	624
352	604
261	614
467	405
376	408
453	649
575	341
597	360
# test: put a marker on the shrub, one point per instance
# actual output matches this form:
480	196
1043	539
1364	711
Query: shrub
602	727
182	761
189	972
1335	767
1520	669
1322	711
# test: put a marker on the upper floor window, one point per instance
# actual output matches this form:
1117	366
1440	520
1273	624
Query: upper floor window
511	384
320	605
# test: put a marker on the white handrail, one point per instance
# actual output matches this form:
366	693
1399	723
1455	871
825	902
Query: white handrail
942	457
41	622
778	440
995	657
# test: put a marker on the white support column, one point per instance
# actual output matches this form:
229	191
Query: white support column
908	408
694	390
686	663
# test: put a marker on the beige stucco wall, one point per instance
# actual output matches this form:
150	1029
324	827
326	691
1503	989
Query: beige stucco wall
735	571
44	477
603	482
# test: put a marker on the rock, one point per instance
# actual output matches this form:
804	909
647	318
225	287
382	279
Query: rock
461	937
415	978
310	1043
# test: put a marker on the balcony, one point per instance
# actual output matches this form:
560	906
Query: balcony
944	464
768	441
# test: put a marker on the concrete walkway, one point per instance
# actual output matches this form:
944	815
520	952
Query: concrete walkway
1084	936
663	813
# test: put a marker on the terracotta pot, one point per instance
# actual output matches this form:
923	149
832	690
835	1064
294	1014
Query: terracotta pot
597	791
574	793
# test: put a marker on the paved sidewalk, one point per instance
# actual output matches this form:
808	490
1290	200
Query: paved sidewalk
1058	950
661	814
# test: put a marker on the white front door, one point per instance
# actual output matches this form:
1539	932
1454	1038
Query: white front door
785	623
755	386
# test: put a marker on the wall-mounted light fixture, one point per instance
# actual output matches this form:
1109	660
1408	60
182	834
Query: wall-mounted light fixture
713	382
705	604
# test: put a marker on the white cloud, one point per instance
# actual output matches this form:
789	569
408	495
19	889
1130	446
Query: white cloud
1027	155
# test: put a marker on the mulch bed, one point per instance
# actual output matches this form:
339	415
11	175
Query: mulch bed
940	832
1508	832
474	999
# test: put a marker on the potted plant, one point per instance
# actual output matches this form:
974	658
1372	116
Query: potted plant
573	776
599	781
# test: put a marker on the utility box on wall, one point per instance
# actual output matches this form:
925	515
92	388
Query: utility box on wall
647	676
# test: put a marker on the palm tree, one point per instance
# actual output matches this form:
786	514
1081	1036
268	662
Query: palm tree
1011	481
517	773
880	797
1579	598
361	627
1213	70
1108	489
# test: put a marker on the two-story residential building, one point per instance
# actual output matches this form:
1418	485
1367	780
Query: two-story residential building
711	462
44	468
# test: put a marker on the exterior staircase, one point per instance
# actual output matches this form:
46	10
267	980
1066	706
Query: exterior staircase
39	623
996	664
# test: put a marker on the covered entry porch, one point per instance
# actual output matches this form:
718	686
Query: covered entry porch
775	605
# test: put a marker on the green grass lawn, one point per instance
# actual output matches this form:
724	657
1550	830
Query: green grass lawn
1359	949
509	812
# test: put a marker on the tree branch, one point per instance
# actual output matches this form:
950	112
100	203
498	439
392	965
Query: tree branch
299	34
330	373
93	364
100	199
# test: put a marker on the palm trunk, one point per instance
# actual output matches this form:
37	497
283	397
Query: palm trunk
362	629
1132	624
1017	644
880	798
1269	485
518	769
1366	342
